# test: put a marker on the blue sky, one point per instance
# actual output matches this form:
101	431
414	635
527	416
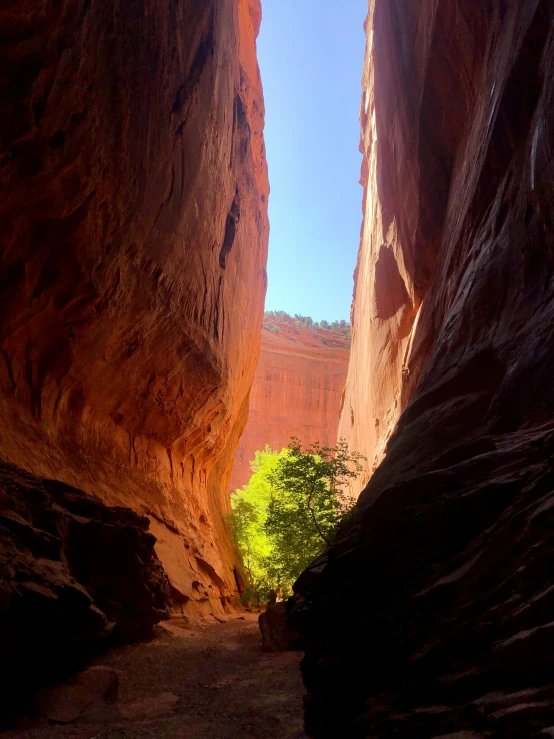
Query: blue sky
311	56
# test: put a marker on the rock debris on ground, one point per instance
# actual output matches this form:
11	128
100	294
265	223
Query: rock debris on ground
209	683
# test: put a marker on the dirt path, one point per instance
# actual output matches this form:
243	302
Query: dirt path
213	683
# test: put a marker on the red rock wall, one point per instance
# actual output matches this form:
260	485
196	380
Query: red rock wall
296	392
134	227
439	589
388	281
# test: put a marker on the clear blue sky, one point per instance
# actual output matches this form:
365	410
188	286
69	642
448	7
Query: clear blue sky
311	57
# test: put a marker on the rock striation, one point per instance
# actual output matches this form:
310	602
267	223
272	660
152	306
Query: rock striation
432	614
74	575
132	273
296	392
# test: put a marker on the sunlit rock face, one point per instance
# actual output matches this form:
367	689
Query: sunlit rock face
296	391
433	612
134	226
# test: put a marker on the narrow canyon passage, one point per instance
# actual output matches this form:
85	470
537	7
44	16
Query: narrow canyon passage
209	683
134	195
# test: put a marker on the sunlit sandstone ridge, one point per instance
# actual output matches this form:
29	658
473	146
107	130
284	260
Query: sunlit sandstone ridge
386	293
133	214
438	590
296	392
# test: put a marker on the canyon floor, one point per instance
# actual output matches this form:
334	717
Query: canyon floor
209	683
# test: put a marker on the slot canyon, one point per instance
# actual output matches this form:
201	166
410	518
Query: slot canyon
138	377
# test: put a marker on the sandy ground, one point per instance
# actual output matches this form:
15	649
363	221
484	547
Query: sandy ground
201	684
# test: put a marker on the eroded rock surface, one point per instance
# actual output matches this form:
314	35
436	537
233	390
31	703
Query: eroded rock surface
432	614
296	391
73	575
133	215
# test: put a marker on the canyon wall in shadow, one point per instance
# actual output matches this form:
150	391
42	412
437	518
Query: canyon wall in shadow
432	613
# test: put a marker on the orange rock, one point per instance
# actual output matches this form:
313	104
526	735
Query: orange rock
132	274
296	392
385	303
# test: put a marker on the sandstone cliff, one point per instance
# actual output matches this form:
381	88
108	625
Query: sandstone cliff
133	214
296	392
439	590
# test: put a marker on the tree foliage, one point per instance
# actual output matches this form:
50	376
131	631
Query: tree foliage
272	318
249	507
289	512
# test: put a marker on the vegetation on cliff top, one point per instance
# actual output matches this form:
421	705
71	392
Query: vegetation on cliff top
275	320
289	512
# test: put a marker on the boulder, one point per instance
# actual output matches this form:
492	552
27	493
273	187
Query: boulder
85	696
276	636
92	698
74	574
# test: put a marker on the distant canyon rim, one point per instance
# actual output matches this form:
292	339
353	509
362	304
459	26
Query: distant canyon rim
133	203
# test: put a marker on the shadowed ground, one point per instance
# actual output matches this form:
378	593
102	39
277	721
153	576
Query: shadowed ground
212	683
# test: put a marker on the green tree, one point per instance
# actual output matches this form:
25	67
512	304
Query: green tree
307	504
289	511
249	507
